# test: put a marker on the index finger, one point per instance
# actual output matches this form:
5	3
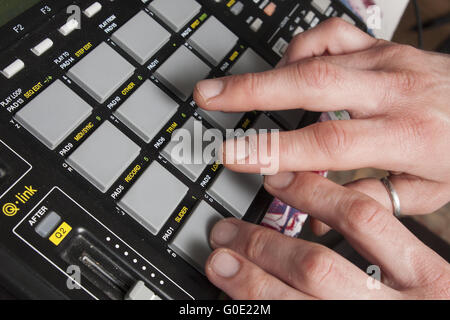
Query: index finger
315	84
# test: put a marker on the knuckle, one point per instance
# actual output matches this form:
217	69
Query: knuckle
366	216
256	243
258	286
315	73
337	25
413	133
316	266
251	84
331	139
405	82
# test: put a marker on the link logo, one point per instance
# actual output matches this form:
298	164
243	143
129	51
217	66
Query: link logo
11	209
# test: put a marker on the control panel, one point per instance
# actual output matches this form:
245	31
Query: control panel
91	96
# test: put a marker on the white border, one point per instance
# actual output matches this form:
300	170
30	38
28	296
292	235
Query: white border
51	262
17	181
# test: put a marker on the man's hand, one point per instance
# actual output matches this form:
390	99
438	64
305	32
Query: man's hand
398	98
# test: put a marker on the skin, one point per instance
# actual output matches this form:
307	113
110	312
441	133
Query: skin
398	98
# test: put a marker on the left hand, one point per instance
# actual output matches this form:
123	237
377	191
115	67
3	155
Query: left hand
253	262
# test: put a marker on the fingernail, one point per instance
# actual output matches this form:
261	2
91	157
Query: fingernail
280	181
210	88
235	151
225	265
223	233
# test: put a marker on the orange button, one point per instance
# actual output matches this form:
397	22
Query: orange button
270	9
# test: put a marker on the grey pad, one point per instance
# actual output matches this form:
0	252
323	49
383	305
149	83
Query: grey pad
192	241
191	162
104	156
236	191
221	120
54	114
141	37
213	40
48	224
101	72
182	71
175	13
147	111
153	198
250	62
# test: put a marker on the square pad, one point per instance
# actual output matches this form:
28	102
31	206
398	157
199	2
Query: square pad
101	72
221	120
141	37
153	198
192	241
236	191
213	40
250	62
54	114
192	163
147	111
182	71
104	156
175	13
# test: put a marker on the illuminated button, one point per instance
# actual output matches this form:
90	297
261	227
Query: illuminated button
54	114
221	120
280	46
249	62
192	241
213	40
147	111
182	71
264	122
141	292
13	68
69	27
48	224
236	191
153	197
256	25
309	17
101	72
175	13
297	31
93	9
104	156
270	9
290	118
141	37
237	8
190	159
321	5
315	22
42	47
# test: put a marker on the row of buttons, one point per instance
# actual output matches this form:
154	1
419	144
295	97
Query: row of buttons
18	65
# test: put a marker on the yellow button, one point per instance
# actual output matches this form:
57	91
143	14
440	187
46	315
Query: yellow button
60	233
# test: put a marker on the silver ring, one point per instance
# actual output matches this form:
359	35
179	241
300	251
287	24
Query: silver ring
393	195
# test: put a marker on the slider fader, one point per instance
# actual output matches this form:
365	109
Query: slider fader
94	205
